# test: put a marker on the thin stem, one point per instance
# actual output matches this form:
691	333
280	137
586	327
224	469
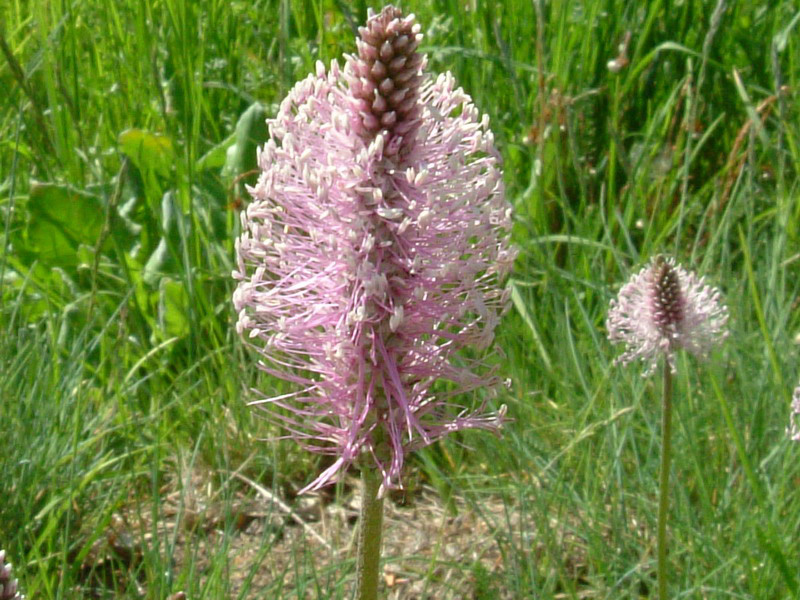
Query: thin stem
369	535
663	488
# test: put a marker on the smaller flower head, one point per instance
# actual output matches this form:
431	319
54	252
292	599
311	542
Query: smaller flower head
8	586
663	308
794	420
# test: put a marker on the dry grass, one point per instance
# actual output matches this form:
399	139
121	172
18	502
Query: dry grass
431	549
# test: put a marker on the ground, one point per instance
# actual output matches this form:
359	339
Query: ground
431	549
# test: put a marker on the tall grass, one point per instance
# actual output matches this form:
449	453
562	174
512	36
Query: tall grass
121	378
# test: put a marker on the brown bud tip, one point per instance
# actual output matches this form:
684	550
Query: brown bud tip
668	300
386	77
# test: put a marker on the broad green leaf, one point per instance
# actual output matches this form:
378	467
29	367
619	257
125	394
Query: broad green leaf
251	131
148	151
173	304
162	260
78	214
215	158
61	219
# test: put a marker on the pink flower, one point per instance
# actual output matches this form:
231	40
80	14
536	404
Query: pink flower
373	251
8	586
794	420
663	308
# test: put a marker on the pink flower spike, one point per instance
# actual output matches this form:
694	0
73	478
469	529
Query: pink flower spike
374	250
793	431
663	308
8	586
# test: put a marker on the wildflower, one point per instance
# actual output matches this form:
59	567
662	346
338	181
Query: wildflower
664	308
794	427
8	586
374	249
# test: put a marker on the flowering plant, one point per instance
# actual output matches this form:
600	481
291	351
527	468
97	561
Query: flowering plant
661	309
374	250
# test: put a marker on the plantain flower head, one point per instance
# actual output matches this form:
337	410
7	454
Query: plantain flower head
8	586
663	308
374	249
794	420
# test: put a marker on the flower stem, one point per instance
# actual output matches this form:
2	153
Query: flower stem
369	535
663	488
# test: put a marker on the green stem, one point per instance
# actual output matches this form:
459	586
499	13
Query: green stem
369	535
663	488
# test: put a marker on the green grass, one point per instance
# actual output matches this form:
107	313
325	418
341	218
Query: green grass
121	375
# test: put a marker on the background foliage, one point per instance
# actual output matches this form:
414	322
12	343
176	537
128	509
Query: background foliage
127	131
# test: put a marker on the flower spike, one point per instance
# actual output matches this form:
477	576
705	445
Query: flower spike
793	431
8	585
663	308
375	249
